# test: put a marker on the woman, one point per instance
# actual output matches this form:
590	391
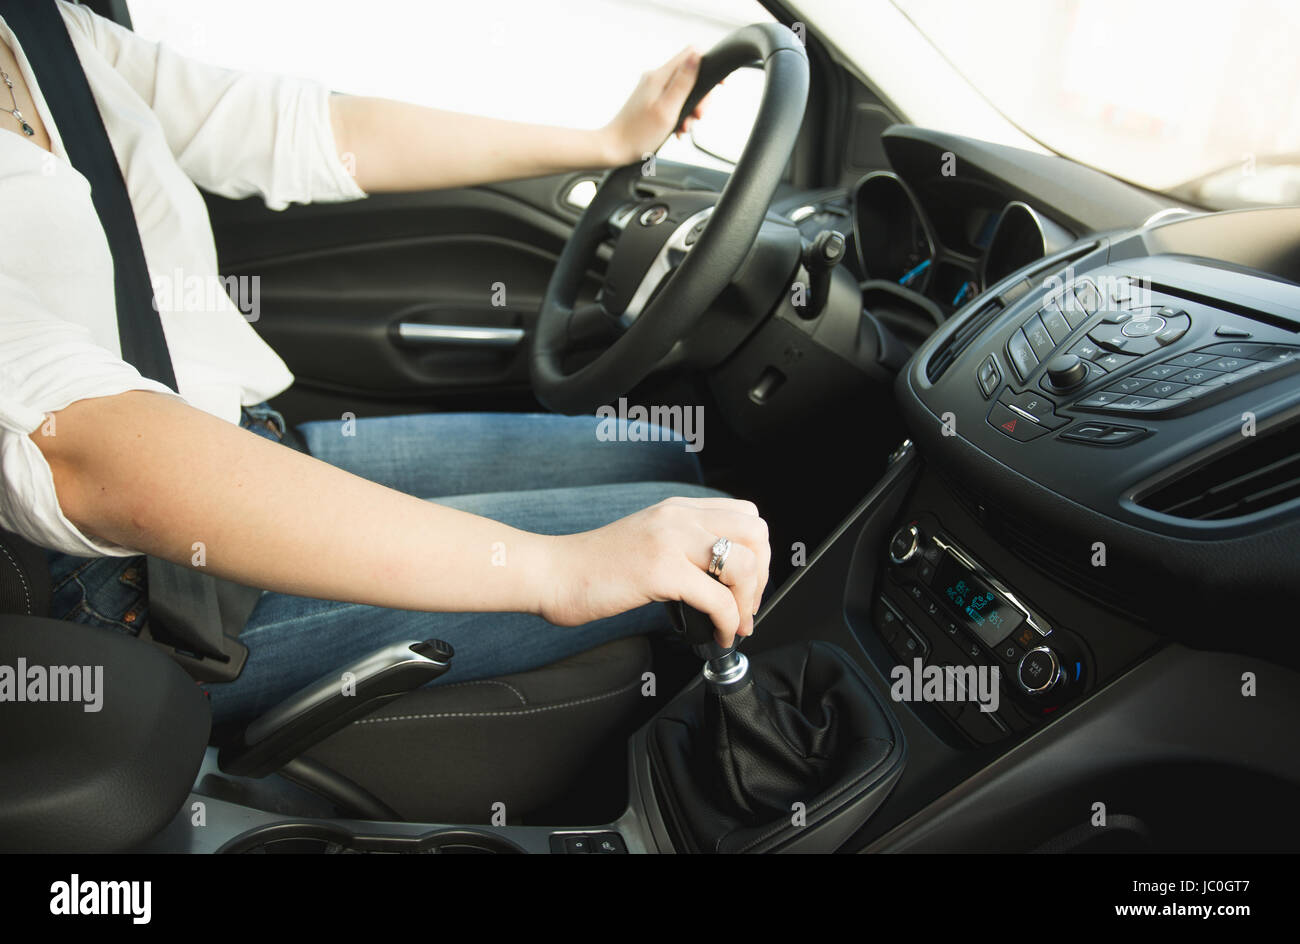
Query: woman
535	523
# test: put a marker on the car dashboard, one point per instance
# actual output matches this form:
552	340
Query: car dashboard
1099	498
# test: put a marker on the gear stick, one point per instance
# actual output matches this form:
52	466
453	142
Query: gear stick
792	751
724	668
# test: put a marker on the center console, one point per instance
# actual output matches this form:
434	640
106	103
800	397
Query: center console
938	606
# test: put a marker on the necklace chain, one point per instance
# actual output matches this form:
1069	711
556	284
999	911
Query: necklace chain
15	110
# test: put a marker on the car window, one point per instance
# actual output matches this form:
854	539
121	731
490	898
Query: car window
564	62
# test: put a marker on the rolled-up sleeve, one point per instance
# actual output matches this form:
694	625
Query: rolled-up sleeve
236	134
45	364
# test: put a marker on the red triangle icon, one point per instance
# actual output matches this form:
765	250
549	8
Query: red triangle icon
1009	426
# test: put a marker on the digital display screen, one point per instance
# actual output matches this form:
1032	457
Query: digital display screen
979	607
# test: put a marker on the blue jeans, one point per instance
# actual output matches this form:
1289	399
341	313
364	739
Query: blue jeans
538	472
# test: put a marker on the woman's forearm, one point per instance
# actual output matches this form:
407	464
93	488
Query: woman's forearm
151	473
148	472
397	146
390	145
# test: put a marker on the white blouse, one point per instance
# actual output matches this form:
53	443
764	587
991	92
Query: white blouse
173	124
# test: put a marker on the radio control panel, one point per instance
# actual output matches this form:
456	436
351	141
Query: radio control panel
943	617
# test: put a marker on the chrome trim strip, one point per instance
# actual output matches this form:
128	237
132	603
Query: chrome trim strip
663	264
462	335
1040	625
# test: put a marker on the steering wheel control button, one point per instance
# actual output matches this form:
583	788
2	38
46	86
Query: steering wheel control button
904	544
1021	354
653	216
989	377
1035	407
1039	671
1066	371
1016	425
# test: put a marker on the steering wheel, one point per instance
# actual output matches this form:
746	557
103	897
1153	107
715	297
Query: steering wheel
645	291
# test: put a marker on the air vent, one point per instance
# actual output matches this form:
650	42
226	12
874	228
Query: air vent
1262	474
957	342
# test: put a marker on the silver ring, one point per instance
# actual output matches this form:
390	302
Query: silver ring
721	548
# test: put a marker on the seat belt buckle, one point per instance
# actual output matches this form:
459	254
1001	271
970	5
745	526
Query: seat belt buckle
204	668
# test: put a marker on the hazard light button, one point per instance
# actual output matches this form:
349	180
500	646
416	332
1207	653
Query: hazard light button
1010	423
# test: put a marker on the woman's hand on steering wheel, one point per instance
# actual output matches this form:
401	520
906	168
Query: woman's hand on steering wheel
663	553
650	113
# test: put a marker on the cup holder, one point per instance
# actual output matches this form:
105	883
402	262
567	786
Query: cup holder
315	839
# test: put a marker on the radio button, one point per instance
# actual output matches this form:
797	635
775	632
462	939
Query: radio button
1113	361
1195	375
1161	371
1129	385
1176	325
1228	364
1021	354
1231	349
1163	388
1008	652
1039	338
1055	324
1039	407
1142	327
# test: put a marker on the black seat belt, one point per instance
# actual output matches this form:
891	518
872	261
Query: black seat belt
193	615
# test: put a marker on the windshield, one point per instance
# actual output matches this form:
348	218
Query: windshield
1198	98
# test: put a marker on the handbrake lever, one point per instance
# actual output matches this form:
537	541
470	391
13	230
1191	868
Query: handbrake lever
724	667
317	711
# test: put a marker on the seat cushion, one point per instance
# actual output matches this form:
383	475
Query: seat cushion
24	577
450	752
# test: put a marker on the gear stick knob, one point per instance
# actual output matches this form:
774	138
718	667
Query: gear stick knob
724	668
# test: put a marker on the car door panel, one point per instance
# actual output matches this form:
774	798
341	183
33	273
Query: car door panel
356	297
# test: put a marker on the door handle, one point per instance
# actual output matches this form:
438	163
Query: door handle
459	335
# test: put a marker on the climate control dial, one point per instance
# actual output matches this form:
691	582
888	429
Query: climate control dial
1039	671
905	544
